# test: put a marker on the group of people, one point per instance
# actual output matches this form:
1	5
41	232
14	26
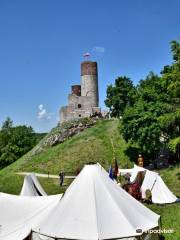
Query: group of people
134	189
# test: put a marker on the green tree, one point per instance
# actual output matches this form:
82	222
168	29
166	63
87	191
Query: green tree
175	49
170	122
5	134
15	142
7	124
140	122
155	114
119	96
23	138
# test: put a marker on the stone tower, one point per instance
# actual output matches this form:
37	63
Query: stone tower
84	99
89	81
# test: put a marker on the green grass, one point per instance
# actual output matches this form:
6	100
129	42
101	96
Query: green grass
171	177
52	185
12	183
93	144
170	218
170	213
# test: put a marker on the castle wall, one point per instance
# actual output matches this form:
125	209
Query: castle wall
80	102
65	113
84	99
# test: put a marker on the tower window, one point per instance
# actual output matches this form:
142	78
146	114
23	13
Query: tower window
79	115
79	105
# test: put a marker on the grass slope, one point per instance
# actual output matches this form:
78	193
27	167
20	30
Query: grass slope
93	144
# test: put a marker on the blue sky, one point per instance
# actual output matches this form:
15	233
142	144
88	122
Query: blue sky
42	43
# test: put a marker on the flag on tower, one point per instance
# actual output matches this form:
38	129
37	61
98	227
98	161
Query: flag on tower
86	55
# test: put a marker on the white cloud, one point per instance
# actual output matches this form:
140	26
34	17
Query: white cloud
42	113
98	49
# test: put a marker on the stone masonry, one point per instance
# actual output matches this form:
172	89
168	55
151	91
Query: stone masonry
84	99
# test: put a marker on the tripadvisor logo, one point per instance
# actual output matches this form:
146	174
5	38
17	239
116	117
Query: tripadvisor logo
156	231
139	230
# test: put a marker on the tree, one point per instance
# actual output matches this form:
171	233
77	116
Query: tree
170	122
140	121
5	133
7	124
23	138
155	115
119	96
15	142
175	49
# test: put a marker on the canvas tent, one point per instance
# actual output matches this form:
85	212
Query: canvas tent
152	181
32	187
19	214
94	207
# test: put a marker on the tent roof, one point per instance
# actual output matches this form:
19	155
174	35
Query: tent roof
94	207
152	181
160	192
19	214
32	187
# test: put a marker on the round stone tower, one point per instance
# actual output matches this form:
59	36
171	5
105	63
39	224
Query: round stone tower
89	82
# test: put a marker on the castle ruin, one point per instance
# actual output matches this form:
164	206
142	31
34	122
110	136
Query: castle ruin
84	99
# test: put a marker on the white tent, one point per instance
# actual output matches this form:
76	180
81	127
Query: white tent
94	207
152	181
32	187
19	214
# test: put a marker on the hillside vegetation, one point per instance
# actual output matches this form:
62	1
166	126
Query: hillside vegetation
94	144
15	141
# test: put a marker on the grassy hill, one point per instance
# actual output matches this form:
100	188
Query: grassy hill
93	144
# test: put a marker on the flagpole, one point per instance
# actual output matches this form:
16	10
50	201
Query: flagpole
112	144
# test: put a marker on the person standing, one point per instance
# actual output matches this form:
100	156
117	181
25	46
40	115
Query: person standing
61	178
140	161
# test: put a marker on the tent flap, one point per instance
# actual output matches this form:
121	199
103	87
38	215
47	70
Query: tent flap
32	187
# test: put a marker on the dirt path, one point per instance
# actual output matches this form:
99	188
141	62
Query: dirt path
44	175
